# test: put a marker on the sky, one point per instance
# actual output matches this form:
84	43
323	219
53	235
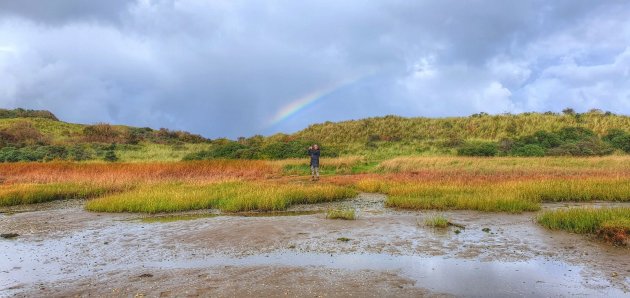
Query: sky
230	68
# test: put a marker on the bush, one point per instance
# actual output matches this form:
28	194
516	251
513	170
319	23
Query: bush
110	154
575	134
529	150
591	147
293	149
227	150
22	113
618	139
102	133
478	149
22	133
33	153
78	153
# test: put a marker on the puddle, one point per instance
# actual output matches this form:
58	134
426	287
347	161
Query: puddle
535	277
461	277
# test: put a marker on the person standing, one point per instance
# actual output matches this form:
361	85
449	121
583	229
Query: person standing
313	152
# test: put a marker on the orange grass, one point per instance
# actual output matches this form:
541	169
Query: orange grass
214	170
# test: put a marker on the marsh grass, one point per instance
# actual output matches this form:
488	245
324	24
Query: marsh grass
231	196
502	196
346	214
584	220
506	164
11	195
437	221
142	172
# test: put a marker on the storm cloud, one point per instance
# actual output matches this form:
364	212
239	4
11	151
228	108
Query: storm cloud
234	68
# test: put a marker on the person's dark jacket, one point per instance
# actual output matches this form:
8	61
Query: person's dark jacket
314	154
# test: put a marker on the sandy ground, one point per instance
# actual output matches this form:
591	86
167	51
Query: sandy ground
63	250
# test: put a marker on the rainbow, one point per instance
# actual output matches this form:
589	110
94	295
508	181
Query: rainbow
299	104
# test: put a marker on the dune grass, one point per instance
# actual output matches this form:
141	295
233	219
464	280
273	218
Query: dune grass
501	196
347	214
11	195
235	196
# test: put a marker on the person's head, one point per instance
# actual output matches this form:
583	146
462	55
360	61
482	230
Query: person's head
316	147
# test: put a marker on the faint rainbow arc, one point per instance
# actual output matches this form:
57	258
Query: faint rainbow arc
310	98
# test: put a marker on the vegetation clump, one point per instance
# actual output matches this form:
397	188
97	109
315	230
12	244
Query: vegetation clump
346	214
254	148
612	224
24	113
437	221
478	149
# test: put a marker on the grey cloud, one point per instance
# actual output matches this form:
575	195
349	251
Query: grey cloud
62	11
225	68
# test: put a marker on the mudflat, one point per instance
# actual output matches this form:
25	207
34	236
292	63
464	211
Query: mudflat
63	250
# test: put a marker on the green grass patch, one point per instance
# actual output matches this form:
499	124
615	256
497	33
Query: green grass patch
38	193
225	196
508	196
347	214
584	220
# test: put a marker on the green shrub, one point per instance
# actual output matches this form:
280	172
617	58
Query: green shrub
590	147
79	153
478	149
33	153
618	139
575	134
227	150
22	113
110	154
529	150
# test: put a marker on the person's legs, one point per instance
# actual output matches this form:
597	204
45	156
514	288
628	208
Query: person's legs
312	172
317	173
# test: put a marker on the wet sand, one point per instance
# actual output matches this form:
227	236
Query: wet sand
63	250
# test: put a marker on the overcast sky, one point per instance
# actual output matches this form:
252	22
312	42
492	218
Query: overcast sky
238	68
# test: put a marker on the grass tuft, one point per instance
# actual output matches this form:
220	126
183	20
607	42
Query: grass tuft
346	214
437	221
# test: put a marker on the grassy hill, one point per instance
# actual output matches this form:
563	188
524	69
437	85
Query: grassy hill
35	135
479	126
31	135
